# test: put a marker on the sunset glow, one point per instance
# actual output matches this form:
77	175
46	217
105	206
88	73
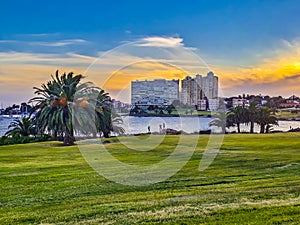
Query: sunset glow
264	61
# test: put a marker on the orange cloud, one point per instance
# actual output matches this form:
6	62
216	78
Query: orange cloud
276	75
142	71
19	73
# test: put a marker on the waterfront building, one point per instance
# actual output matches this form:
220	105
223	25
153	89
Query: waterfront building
195	90
158	91
213	104
210	85
199	91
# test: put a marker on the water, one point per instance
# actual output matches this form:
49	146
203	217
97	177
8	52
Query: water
188	124
4	123
134	125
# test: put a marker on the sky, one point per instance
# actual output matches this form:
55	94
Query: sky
253	46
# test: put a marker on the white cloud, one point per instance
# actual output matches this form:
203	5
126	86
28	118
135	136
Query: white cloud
61	43
160	41
7	41
38	35
43	34
65	59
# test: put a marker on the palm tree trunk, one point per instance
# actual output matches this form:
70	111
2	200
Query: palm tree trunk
251	127
106	134
262	128
54	135
68	138
238	127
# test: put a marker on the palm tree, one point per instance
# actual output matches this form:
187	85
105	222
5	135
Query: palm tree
240	116
252	114
21	127
223	120
116	124
218	122
64	101
265	119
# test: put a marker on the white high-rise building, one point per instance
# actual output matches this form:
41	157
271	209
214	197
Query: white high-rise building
159	91
195	90
210	86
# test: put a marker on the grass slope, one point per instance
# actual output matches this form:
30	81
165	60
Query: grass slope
254	180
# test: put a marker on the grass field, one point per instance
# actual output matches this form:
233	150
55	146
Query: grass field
255	179
287	115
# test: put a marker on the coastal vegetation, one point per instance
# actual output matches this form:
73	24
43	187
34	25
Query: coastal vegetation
64	101
63	107
22	131
253	180
262	115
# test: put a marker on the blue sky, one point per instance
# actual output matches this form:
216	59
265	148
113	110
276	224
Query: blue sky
229	35
215	27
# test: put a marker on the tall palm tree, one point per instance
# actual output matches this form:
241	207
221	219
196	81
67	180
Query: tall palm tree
63	101
252	114
264	119
21	127
103	111
240	116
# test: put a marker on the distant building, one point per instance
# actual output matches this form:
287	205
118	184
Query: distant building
194	90
213	104
120	106
158	91
264	102
200	91
210	85
202	105
240	102
188	91
290	104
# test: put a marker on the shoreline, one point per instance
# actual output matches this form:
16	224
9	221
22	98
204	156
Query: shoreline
289	119
204	116
166	115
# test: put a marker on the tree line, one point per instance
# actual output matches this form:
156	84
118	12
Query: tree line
249	115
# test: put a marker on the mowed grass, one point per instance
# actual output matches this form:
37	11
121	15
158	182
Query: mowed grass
255	179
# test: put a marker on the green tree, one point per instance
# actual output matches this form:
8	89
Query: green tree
103	114
63	101
170	109
117	124
21	127
240	116
265	119
252	114
223	120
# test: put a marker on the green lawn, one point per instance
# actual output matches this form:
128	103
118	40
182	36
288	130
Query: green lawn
287	115
254	180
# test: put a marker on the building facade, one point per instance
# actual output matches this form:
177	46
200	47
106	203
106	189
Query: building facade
194	91
158	91
210	85
200	91
240	102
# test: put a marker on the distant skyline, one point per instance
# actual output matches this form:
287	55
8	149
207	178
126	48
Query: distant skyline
252	46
